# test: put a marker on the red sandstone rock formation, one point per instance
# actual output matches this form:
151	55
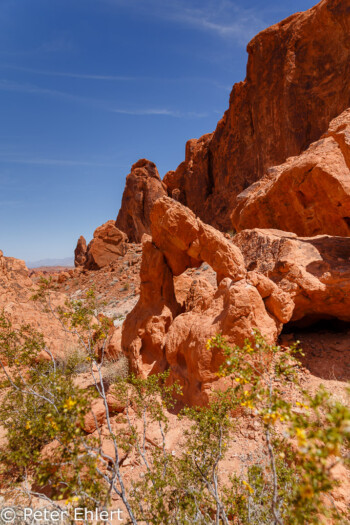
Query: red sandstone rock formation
314	271
95	417
16	292
146	325
235	309
143	187
13	273
108	243
159	334
80	252
191	183
186	241
298	80
308	194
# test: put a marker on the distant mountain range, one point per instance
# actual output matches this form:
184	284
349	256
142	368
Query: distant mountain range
68	261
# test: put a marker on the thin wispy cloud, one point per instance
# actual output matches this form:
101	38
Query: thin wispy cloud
6	85
156	111
113	78
82	76
222	17
100	104
38	161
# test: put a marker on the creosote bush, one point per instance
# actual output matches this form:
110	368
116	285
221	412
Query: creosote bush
49	455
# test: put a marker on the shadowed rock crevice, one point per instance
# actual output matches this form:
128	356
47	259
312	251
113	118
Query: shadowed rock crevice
314	324
325	345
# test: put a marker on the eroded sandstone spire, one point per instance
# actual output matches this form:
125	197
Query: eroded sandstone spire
142	188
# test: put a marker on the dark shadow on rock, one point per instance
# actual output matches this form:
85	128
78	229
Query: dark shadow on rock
326	345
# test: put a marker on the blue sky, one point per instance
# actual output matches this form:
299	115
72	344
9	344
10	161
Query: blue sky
87	87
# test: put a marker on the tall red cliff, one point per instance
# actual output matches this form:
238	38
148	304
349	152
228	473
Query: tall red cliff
298	80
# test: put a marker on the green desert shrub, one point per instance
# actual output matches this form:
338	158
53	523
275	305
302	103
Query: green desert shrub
289	482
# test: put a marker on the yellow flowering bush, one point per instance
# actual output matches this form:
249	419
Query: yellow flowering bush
288	484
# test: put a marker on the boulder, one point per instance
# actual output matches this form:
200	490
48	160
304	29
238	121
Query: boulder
107	245
309	194
113	349
62	277
96	417
115	406
143	187
114	402
80	252
314	271
298	80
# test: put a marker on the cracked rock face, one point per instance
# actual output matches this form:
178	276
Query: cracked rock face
309	194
